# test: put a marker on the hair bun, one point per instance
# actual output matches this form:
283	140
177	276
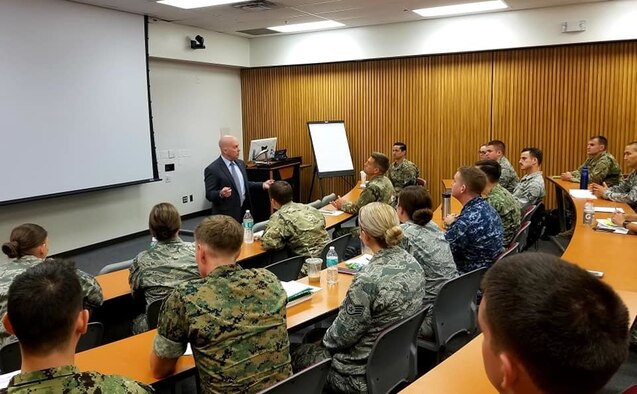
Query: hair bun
393	236
10	249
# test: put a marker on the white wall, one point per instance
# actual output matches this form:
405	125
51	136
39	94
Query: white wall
606	21
192	105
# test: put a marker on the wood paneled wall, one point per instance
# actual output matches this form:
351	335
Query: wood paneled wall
443	107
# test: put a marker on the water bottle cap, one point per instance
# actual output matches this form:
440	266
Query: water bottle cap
247	210
331	248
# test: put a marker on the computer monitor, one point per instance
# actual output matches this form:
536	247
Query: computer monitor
262	150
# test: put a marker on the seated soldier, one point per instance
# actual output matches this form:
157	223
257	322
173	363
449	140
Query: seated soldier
495	151
626	191
550	327
402	172
299	227
531	189
233	318
501	200
475	235
45	312
155	272
602	166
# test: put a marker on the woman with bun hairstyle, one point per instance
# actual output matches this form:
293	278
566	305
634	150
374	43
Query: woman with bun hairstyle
426	242
28	246
385	291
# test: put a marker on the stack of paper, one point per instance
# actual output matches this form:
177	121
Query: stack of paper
582	193
608	225
298	292
330	212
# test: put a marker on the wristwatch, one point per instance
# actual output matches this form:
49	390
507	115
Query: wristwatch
625	224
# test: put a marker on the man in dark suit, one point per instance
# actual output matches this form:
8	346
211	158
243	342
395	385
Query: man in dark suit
227	184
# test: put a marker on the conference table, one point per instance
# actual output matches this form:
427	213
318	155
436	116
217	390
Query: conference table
600	251
130	356
115	284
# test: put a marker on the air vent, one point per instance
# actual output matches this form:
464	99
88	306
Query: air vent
256	5
257	32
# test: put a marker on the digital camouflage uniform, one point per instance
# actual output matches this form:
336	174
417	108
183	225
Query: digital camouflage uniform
508	177
69	380
156	271
626	191
430	248
92	291
378	189
299	227
509	210
388	289
530	190
400	174
234	320
475	237
601	168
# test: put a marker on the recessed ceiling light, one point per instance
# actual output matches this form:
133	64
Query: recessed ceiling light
466	8
188	4
306	26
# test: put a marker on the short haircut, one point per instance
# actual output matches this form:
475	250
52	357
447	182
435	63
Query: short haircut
633	143
475	179
43	305
535	152
491	168
499	145
416	201
23	239
281	192
568	328
380	222
401	145
164	221
382	162
220	232
601	140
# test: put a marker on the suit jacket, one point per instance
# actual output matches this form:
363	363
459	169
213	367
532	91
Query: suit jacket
217	176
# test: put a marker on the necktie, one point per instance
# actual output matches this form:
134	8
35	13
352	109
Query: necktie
237	181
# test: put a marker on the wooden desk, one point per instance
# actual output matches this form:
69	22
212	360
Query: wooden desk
130	356
610	253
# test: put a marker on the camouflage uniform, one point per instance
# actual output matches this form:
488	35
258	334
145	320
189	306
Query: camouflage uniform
400	174
235	322
300	227
378	189
69	380
601	168
509	210
530	190
508	178
626	191
430	248
92	291
155	273
388	289
475	237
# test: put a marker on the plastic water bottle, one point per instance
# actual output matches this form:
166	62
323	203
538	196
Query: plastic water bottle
589	212
331	261
248	222
583	180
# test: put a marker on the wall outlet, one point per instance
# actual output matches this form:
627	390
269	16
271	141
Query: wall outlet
191	198
184	199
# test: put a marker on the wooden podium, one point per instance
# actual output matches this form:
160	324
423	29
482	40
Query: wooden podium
288	170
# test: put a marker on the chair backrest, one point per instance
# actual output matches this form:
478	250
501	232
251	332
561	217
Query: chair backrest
92	338
522	235
393	358
339	244
317	204
259	226
528	212
116	266
10	357
152	313
288	269
455	307
421	182
328	199
309	380
512	249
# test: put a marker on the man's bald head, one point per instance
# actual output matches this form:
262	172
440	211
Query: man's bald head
229	146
